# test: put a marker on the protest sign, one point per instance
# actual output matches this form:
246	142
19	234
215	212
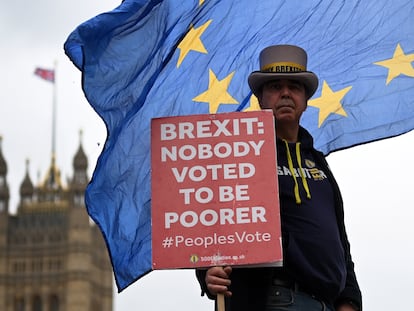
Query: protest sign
214	191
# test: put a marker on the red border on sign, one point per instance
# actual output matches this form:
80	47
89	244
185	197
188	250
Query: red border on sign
215	191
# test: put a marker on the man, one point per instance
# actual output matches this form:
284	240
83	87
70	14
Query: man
318	272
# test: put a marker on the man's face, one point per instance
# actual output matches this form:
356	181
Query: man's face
287	99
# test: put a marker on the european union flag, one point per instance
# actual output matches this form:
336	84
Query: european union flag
157	58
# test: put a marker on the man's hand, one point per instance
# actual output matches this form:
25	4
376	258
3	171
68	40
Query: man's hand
218	281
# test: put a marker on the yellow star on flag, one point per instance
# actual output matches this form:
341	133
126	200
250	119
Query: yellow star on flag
329	102
216	93
399	64
192	42
254	104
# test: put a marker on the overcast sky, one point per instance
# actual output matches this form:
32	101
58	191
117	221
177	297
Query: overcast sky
375	179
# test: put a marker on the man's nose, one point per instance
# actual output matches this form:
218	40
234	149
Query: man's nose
285	91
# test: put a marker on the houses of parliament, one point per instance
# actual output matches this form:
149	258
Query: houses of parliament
52	257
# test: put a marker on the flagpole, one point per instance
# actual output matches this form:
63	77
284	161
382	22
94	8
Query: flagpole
49	75
53	169
54	114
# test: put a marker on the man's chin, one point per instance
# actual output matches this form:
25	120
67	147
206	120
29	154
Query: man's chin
285	116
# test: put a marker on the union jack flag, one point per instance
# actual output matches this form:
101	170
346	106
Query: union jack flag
46	74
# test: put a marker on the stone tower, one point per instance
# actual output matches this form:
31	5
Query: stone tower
52	258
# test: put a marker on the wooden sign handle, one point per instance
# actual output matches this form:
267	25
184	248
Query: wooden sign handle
220	303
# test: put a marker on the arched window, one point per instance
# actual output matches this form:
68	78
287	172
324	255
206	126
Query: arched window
19	304
54	303
37	303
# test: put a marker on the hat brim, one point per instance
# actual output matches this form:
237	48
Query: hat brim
308	78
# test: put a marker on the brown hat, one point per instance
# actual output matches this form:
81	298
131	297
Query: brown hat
283	62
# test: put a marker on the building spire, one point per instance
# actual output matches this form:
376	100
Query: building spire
4	188
3	164
26	187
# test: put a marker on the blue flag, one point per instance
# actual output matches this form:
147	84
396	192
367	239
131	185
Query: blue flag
149	59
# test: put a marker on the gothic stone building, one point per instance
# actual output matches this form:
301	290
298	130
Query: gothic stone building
52	258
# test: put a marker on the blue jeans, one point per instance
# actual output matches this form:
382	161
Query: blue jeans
286	299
